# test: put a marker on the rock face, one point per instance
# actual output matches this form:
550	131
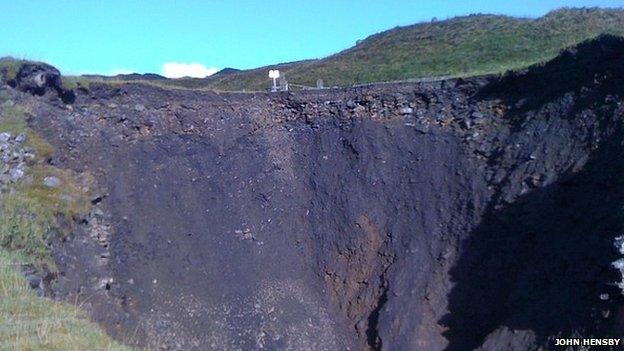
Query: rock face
462	214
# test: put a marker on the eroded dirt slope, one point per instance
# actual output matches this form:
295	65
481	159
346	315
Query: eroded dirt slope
451	215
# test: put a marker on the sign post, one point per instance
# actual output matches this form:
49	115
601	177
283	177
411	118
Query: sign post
274	74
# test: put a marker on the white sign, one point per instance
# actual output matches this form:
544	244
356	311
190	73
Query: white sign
274	73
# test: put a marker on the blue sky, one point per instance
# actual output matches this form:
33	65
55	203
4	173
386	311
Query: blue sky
107	37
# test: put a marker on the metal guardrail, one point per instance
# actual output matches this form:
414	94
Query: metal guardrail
411	80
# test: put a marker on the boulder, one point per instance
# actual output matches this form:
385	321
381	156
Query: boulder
51	182
38	78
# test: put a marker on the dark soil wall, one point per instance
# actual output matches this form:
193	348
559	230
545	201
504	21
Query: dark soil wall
435	216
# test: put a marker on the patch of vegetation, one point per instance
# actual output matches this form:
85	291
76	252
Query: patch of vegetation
13	119
30	215
25	226
70	199
29	322
462	46
30	212
9	66
75	82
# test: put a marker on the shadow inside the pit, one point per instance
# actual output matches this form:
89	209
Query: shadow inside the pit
543	262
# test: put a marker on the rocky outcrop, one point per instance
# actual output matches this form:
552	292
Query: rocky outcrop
39	79
451	215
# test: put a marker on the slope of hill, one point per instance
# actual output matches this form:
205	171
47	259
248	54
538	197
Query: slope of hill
460	46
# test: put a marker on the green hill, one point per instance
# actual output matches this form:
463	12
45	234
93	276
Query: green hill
460	46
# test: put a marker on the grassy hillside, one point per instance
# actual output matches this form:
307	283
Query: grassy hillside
29	322
460	46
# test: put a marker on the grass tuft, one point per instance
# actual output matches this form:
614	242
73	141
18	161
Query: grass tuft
9	67
25	226
29	322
